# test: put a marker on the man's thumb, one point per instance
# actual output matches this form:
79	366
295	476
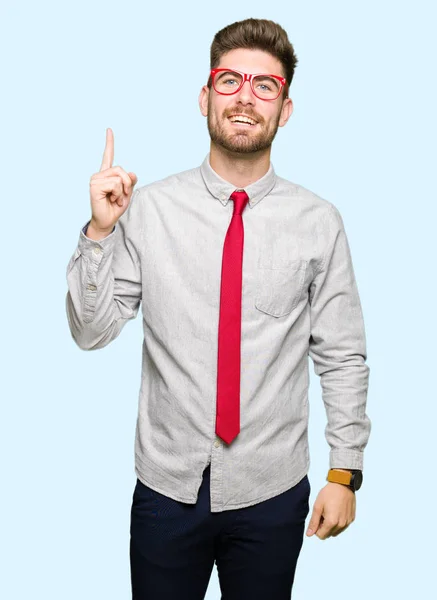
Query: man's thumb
314	522
133	177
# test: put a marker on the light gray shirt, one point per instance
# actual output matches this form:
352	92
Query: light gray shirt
299	299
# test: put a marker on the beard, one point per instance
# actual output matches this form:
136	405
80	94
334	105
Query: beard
241	141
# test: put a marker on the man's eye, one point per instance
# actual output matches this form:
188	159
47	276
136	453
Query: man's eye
230	80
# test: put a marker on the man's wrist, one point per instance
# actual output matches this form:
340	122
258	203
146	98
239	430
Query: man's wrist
353	480
97	234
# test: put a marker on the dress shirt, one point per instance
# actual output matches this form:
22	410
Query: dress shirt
299	299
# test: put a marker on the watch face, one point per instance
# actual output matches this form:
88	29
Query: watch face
357	479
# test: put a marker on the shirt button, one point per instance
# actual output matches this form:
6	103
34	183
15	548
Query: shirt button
97	250
217	443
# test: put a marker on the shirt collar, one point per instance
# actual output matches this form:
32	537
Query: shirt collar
222	189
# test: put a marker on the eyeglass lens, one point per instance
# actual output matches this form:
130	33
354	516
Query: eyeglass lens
228	82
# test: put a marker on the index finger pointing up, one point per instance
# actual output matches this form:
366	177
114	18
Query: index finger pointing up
108	155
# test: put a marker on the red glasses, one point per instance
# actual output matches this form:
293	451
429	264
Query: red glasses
264	86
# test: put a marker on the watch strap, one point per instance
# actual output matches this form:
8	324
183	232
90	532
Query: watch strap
342	477
352	478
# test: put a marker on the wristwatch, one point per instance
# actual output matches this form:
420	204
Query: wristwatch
353	478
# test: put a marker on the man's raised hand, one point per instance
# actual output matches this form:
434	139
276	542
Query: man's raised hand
110	190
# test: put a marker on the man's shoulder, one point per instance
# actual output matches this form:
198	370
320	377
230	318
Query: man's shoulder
303	193
187	177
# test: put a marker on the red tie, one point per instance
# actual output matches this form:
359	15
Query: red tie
229	334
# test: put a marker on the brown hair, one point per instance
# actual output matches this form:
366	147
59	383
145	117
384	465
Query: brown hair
259	34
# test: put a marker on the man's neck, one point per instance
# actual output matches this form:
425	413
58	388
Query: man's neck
239	169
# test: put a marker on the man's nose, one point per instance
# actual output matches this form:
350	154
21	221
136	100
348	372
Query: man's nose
246	94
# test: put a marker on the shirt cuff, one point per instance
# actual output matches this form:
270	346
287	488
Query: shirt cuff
84	229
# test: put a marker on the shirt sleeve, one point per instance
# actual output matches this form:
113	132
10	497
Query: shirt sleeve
85	228
104	282
338	349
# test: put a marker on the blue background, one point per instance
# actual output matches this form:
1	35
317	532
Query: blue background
362	135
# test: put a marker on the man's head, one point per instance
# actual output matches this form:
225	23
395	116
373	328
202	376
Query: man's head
252	46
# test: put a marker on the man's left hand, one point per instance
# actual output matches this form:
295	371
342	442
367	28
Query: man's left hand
333	511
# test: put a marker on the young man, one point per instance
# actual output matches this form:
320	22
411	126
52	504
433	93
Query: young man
242	274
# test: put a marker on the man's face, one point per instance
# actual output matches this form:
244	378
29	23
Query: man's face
268	114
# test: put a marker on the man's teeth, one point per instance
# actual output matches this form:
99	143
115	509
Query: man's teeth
242	120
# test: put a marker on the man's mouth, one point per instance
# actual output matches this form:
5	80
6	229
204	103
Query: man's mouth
242	120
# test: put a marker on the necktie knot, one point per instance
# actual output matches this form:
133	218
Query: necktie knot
240	199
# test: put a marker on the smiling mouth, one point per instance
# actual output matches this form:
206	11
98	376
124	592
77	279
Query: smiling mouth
238	124
242	123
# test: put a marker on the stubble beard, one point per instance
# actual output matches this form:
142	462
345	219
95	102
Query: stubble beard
240	142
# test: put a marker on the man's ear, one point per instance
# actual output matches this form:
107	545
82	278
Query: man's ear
203	100
286	111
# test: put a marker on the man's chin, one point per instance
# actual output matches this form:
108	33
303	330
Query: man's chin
239	144
243	148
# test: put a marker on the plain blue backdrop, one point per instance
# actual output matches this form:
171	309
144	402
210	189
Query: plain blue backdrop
362	135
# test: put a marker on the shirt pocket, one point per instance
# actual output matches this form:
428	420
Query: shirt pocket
279	288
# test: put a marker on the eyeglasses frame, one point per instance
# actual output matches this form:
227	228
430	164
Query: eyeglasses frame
248	77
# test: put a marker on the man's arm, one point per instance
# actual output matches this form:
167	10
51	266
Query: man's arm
338	349
104	283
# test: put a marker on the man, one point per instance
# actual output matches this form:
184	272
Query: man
241	274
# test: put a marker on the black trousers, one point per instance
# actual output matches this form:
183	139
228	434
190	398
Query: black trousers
173	545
